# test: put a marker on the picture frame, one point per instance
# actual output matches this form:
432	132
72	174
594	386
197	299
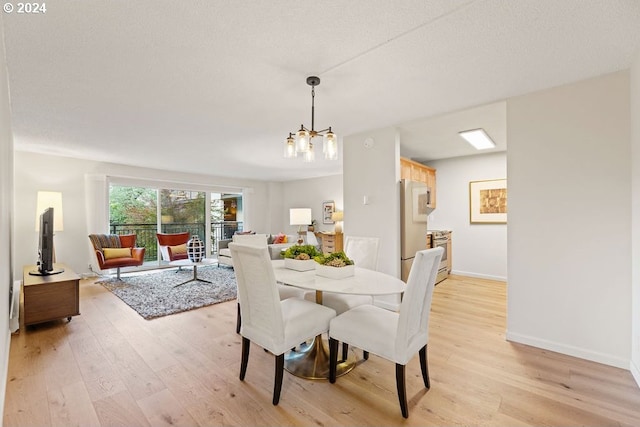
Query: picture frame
488	201
328	208
420	204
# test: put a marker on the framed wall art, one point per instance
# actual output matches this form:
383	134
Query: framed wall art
328	208
488	202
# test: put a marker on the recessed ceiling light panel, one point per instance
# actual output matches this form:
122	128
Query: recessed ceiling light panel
478	138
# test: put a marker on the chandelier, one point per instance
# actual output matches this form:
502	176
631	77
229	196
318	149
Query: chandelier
302	143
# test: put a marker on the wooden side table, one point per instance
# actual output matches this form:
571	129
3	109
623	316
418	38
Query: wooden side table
331	242
50	297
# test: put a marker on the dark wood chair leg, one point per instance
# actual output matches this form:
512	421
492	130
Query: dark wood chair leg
245	357
365	355
345	351
402	390
277	385
424	367
238	320
333	359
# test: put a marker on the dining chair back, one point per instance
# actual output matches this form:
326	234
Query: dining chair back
274	325
363	251
393	336
260	241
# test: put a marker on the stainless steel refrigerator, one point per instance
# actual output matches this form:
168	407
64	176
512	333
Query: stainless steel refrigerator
415	198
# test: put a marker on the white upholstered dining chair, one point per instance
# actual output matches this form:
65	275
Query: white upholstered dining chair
275	325
285	291
394	336
364	253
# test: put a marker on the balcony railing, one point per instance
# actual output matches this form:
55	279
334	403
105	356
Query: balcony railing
146	233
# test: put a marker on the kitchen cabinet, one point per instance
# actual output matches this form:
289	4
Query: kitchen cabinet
415	171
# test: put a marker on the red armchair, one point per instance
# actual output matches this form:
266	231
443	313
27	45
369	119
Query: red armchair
116	251
173	246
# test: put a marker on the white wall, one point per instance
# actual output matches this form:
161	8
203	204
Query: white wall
310	193
478	250
635	215
35	172
569	240
6	207
374	172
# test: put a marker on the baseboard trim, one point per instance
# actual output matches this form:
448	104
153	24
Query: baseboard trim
478	275
635	371
14	309
582	353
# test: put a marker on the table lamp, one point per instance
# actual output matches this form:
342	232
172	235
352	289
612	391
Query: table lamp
300	217
337	216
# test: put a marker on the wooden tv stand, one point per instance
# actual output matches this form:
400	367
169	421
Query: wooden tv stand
50	297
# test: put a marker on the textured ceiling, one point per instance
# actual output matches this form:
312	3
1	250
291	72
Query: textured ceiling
214	86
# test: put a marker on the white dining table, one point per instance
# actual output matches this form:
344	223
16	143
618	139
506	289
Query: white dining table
311	361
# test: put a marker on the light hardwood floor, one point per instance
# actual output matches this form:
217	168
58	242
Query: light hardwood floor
110	367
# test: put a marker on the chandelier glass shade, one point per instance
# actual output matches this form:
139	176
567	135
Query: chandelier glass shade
302	142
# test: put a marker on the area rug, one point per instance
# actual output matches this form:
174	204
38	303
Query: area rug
153	294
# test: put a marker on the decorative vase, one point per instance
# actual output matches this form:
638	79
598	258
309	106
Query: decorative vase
195	249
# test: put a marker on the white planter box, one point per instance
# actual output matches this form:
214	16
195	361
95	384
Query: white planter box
300	264
335	272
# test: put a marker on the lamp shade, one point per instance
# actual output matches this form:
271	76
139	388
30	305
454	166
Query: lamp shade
300	216
337	216
50	199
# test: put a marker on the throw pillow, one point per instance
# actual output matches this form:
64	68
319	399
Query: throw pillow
270	239
179	249
279	238
245	232
111	253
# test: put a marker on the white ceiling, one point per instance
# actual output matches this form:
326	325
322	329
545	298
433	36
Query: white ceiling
214	86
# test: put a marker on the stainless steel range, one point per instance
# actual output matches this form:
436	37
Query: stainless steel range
442	238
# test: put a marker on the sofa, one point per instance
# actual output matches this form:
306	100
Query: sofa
224	253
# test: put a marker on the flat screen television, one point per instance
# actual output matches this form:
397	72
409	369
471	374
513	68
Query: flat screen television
45	246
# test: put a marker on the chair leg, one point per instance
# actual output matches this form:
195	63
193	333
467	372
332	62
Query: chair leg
402	390
238	320
365	355
245	357
118	273
277	386
424	367
333	359
345	351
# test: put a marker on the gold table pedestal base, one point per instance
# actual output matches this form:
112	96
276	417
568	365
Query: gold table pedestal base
312	361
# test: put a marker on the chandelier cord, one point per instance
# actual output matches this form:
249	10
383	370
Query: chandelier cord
313	97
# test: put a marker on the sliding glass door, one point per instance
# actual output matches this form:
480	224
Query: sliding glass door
145	211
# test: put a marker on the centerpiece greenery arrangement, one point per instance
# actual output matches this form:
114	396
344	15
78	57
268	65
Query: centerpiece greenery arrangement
335	265
335	259
300	257
301	252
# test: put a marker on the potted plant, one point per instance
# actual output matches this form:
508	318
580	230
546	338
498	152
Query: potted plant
312	226
300	257
335	265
